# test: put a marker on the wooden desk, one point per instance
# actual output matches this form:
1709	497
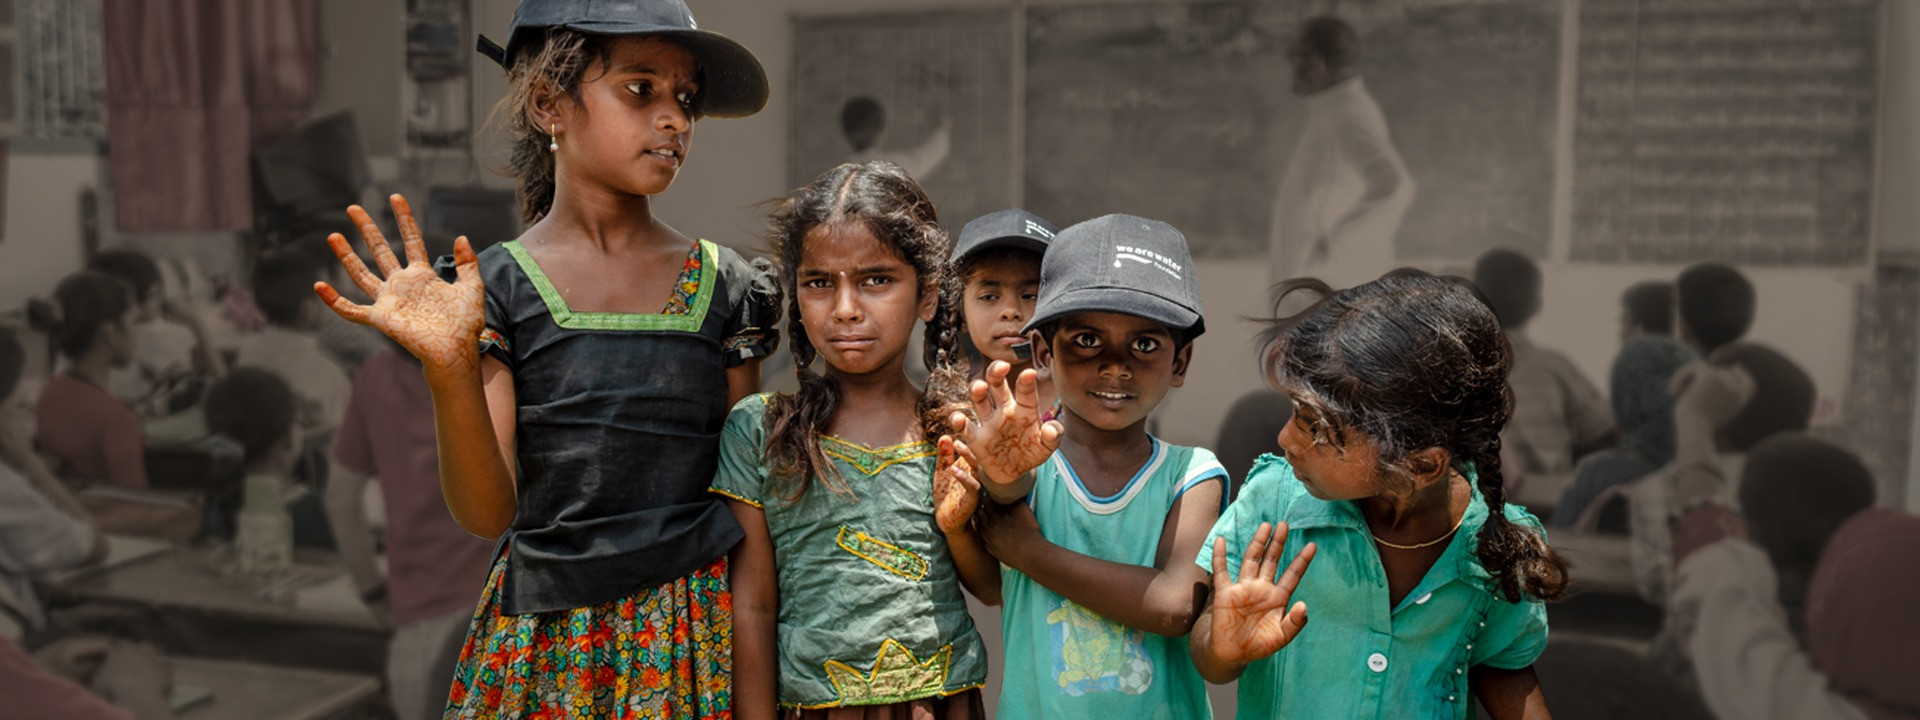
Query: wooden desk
184	602
249	691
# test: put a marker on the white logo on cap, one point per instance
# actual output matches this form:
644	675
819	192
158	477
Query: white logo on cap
1036	229
1147	257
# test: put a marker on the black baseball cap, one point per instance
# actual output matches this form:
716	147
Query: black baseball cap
733	83
1006	228
1121	264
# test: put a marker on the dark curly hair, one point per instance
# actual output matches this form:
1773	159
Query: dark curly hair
881	196
1414	361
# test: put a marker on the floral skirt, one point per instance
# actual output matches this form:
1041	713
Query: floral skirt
665	652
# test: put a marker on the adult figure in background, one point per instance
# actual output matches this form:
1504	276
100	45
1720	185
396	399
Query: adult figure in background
1345	188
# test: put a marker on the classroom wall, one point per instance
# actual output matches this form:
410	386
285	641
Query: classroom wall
1806	313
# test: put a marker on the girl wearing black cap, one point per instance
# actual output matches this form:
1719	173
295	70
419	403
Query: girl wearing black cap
586	428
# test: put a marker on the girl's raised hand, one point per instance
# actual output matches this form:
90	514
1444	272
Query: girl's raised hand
1250	616
437	321
956	494
1008	439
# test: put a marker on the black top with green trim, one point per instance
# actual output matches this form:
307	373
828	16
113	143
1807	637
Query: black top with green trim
618	428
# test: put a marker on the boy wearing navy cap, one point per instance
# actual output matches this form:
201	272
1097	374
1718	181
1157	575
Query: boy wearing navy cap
1097	596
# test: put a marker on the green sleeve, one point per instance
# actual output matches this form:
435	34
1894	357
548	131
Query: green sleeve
742	474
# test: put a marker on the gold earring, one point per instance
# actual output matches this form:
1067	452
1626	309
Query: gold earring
553	138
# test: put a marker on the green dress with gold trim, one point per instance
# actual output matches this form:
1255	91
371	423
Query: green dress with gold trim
871	610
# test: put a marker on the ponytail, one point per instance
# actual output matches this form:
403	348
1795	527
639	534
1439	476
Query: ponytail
947	364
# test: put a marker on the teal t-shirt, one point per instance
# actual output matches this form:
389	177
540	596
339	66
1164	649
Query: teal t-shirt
1357	658
1065	661
871	611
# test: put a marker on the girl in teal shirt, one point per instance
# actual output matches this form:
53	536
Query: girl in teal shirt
1428	585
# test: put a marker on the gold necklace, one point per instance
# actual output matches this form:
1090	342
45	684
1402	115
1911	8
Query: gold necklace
1429	543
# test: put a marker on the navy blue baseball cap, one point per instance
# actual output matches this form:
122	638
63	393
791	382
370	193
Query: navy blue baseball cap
733	84
1120	264
1006	228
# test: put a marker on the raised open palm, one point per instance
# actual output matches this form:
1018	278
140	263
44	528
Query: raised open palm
956	494
1250	616
1007	437
439	322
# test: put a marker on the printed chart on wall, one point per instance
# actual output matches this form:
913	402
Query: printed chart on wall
931	91
1184	112
1740	131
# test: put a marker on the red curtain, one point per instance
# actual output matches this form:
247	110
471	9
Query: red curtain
192	86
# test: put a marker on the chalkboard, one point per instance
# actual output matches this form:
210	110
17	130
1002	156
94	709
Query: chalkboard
1734	130
925	70
1182	112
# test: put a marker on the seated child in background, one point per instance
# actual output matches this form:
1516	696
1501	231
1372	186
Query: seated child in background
172	350
1099	593
1746	393
256	409
89	435
1558	416
1646	308
283	286
1713	306
1643	408
43	528
1804	609
996	261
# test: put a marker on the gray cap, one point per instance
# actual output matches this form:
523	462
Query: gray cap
733	84
1121	264
1006	228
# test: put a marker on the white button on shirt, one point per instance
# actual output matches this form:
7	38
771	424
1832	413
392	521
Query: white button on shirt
1377	662
1429	596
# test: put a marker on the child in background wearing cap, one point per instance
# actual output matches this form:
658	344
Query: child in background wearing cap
1098	592
581	374
847	592
1424	583
996	266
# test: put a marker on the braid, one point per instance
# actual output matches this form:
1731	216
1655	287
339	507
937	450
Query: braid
1517	557
947	367
795	422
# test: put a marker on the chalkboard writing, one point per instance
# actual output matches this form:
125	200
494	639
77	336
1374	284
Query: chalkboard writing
943	81
1733	130
1182	111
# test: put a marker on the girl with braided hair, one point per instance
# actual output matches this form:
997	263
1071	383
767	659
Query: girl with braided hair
1428	585
846	590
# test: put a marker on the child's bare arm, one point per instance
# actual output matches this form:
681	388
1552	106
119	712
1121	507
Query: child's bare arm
742	380
439	322
956	496
1509	694
1006	435
756	617
1163	599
